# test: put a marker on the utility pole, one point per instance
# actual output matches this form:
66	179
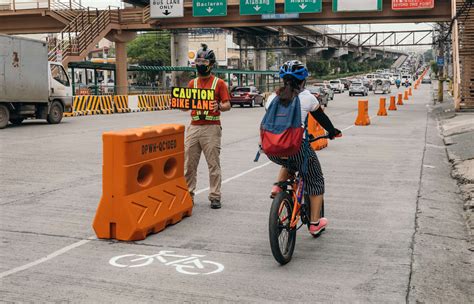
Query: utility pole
441	50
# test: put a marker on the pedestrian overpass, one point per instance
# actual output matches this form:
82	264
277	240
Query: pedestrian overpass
80	28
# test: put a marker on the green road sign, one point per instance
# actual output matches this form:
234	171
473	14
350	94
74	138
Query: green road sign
359	5
303	6
257	7
208	8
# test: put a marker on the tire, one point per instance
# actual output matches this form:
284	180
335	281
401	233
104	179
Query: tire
56	113
276	229
350	95
241	105
252	104
263	103
4	116
17	121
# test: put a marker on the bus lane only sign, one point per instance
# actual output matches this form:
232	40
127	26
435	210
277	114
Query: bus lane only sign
192	99
399	5
166	8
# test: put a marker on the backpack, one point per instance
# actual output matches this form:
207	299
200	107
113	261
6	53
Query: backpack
281	131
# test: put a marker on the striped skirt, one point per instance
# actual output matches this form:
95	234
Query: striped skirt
313	178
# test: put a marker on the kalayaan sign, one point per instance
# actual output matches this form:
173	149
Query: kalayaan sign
192	99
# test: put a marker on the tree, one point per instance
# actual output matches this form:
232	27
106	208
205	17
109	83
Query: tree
150	49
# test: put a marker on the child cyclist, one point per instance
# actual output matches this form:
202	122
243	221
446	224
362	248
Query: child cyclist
294	75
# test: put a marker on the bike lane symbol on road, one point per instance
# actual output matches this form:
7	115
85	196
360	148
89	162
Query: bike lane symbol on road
191	265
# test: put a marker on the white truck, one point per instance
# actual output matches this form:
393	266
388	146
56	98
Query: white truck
30	86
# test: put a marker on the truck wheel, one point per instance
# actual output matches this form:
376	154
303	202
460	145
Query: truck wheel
4	116
17	121
56	113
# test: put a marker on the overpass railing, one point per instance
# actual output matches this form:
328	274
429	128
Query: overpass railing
37	4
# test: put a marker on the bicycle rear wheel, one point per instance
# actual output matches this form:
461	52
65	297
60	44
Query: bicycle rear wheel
282	236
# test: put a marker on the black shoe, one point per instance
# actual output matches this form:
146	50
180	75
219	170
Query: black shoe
216	204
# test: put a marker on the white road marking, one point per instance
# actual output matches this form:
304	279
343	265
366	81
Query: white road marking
44	259
236	176
82	242
352	126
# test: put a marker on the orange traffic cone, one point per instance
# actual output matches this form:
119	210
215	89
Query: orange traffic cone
315	129
410	93
363	115
400	99
392	106
382	110
405	97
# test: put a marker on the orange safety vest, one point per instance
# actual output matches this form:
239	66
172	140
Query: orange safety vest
205	115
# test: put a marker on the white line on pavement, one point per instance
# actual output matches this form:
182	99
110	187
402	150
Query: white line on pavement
44	259
352	126
237	176
82	242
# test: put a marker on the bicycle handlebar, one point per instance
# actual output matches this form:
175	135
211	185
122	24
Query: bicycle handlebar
313	139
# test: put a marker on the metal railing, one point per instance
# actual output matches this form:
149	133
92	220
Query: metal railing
44	4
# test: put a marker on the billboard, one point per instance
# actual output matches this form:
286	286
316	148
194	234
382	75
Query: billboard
398	5
356	6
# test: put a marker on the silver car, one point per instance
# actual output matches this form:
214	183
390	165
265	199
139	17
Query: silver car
358	88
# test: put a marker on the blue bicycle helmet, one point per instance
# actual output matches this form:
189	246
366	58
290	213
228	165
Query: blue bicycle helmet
294	68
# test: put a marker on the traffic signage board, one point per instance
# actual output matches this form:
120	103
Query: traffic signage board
356	5
166	8
280	16
412	4
303	6
440	61
257	7
209	8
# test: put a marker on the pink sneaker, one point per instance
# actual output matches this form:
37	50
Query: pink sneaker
316	230
275	190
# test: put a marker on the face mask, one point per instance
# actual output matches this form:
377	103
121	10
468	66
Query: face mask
203	70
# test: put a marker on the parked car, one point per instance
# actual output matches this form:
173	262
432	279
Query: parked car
248	95
337	85
358	88
320	93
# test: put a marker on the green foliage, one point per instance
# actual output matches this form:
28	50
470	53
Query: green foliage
428	55
434	67
149	49
318	67
346	65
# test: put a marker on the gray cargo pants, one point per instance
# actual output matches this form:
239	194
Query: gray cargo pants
206	139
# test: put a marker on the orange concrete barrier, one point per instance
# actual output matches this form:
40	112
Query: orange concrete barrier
315	129
143	184
410	92
392	106
382	108
400	99
363	115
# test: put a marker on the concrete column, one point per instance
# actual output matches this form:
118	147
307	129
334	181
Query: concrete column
121	39
261	65
179	57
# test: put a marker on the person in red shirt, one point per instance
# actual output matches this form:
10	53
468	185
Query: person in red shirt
205	132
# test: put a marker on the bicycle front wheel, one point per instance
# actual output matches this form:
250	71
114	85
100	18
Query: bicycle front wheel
282	236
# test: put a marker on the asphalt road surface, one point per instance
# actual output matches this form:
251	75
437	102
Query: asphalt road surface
51	185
